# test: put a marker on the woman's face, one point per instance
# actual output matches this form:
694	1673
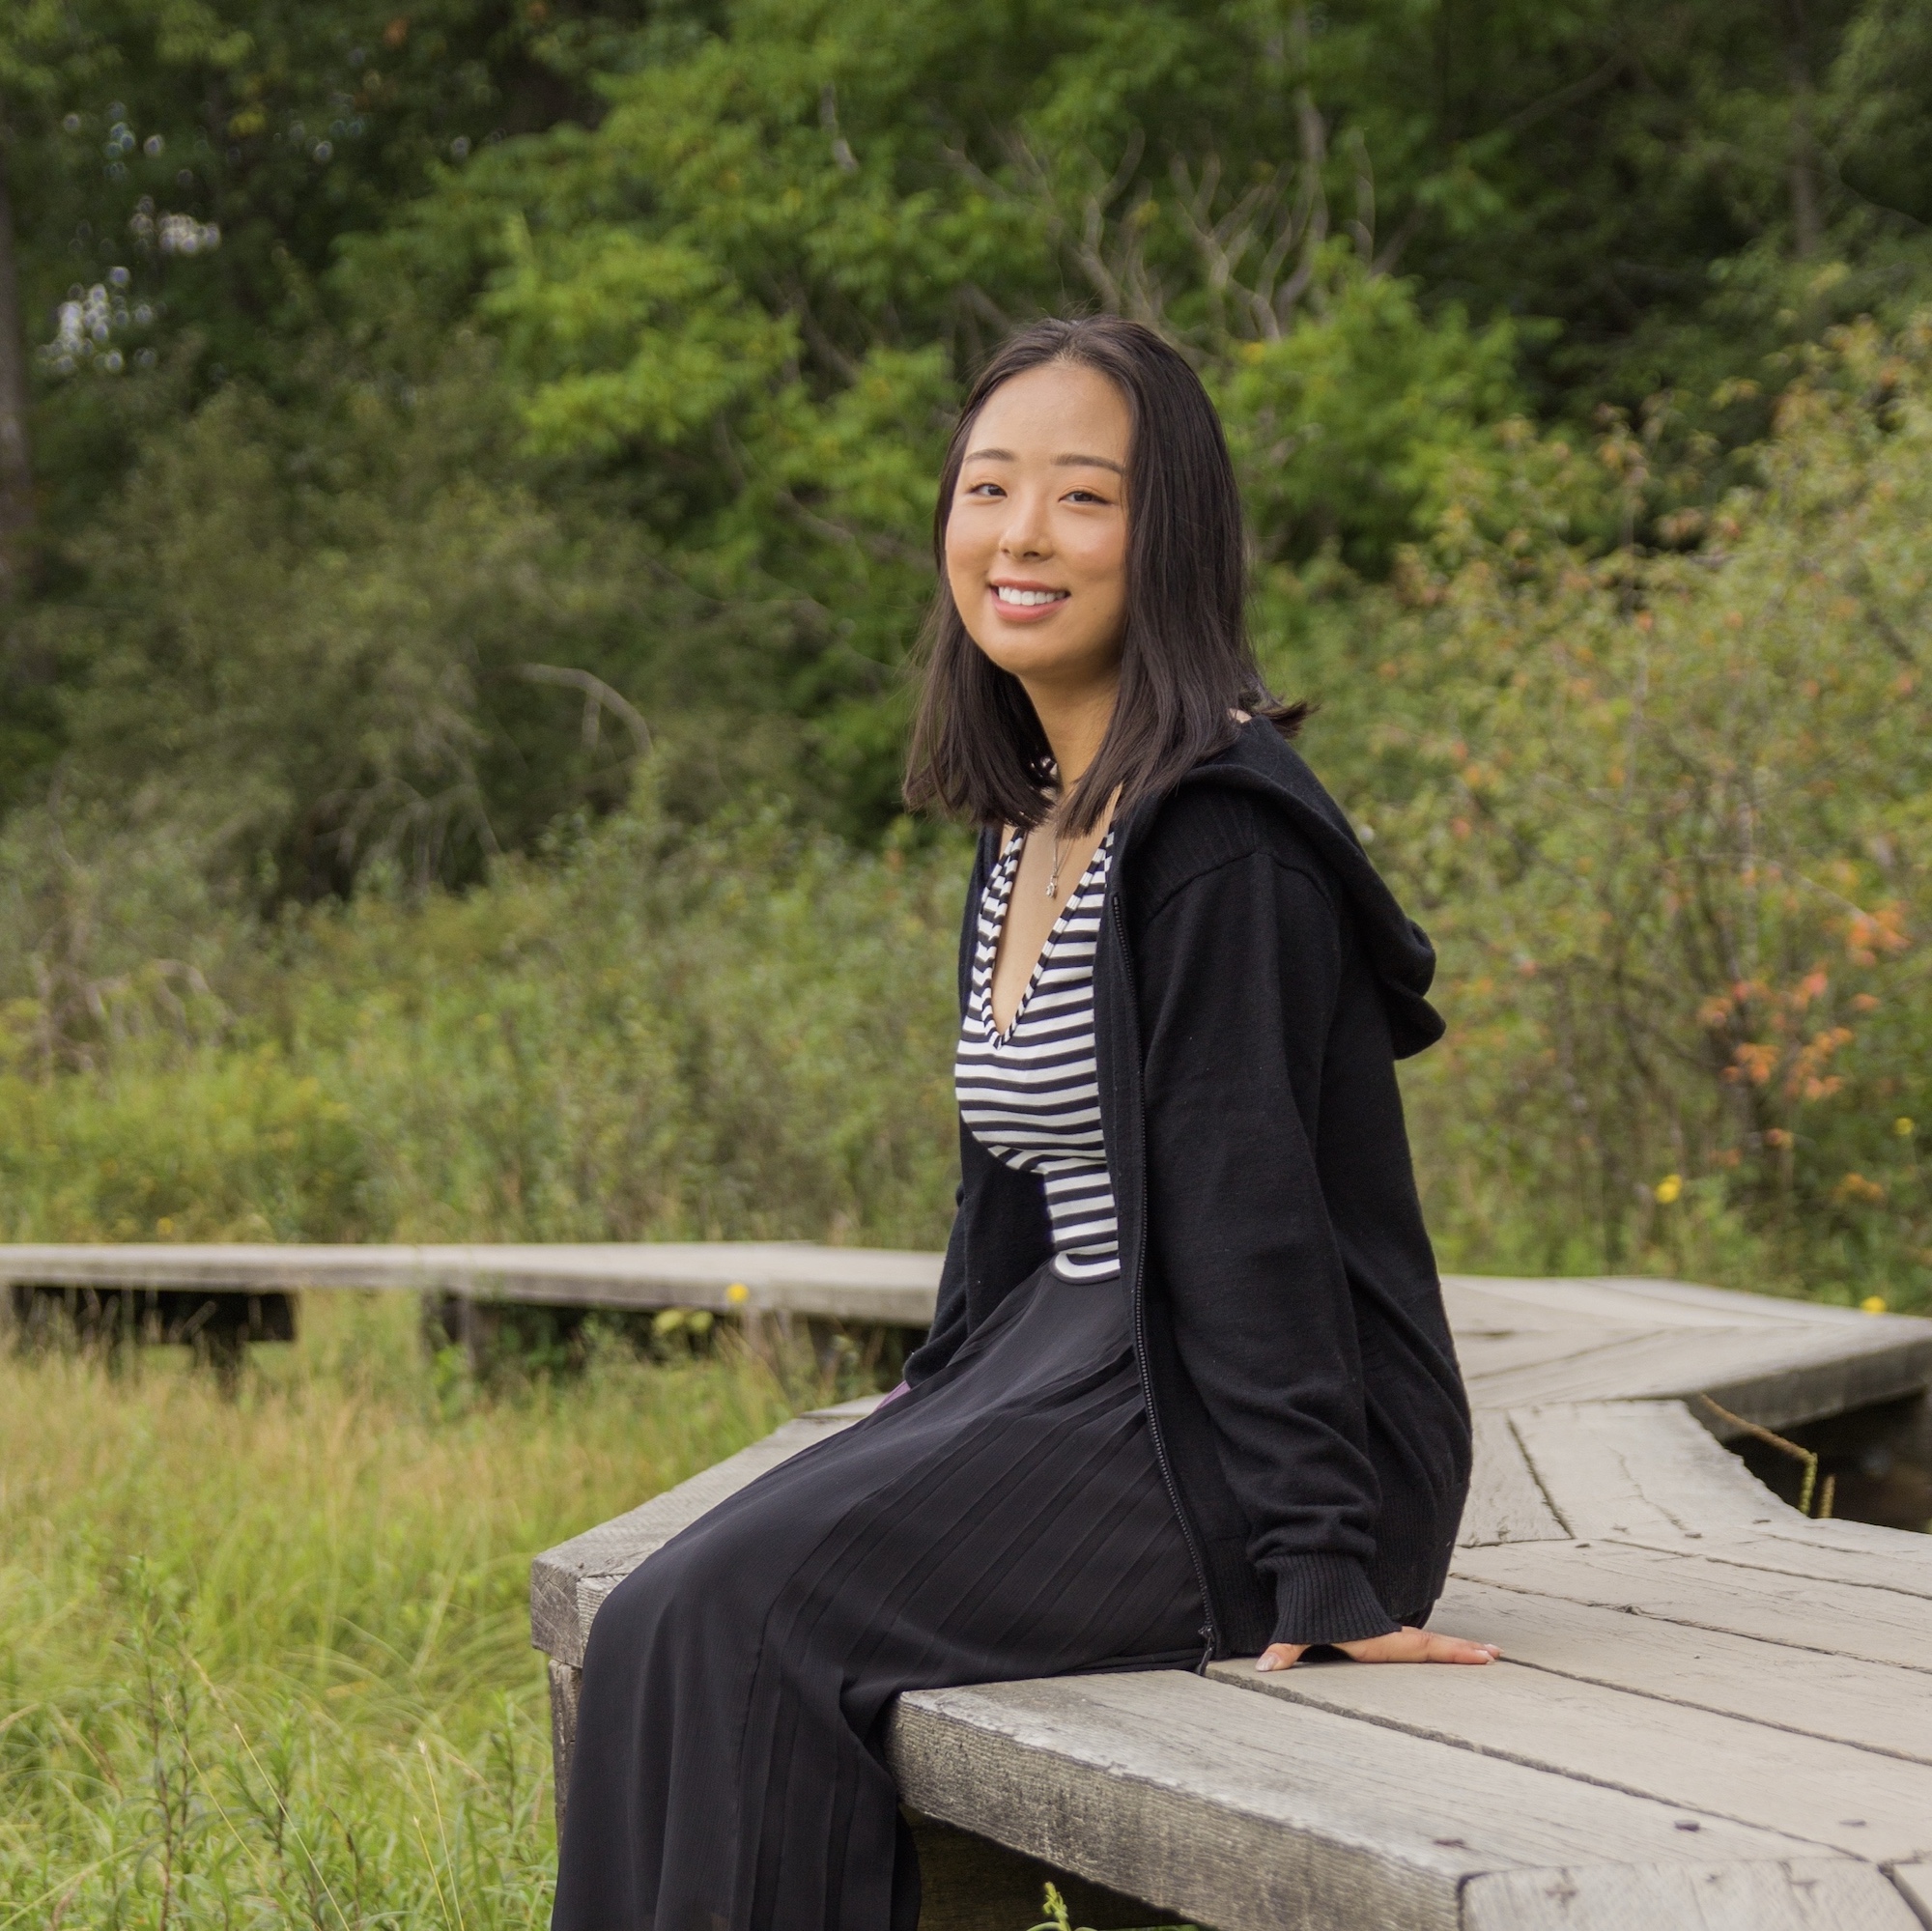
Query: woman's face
1037	539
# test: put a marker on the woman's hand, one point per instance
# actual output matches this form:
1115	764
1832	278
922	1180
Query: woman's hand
1403	1645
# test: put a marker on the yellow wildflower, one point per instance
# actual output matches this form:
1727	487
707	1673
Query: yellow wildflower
1669	1189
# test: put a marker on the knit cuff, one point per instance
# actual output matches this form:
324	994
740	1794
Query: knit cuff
1327	1598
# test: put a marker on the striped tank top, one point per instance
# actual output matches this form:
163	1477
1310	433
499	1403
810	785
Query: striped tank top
1031	1096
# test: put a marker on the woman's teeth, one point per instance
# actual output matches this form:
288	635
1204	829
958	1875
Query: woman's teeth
1007	596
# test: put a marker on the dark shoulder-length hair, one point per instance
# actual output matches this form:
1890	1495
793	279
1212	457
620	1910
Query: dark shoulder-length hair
1186	664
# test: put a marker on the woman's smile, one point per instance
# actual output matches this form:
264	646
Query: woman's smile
1025	601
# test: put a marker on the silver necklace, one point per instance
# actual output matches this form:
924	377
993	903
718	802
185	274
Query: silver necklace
1053	876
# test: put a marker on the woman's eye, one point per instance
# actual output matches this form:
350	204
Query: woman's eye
984	490
1085	496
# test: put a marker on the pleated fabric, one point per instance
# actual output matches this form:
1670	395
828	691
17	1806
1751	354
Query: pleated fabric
1005	1519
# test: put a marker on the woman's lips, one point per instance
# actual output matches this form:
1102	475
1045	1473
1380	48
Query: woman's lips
1025	603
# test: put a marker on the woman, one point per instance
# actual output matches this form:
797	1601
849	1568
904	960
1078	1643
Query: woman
1190	1392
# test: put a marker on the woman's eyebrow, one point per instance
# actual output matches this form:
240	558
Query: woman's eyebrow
1060	462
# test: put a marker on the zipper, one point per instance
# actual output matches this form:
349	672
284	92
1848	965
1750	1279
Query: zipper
1137	1306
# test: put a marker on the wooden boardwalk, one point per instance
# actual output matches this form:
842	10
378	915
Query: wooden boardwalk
1713	1711
778	1276
221	1297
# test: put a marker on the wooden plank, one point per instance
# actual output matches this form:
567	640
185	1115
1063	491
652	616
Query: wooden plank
1830	1794
1641	1364
1505	1503
1727	1303
1640	1300
1250	1814
841	1283
1877	1707
1712	1593
566	1687
568	1583
1915	1883
1486	1357
1798	1896
1647	1473
1832	1553
1479	1304
1642	1469
1778	1375
1597	1300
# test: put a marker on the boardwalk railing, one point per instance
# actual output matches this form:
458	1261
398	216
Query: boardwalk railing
1714	1712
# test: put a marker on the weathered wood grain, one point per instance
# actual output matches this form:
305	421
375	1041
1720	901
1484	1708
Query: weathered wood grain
1608	1301
1647	1473
1878	1707
1252	1815
1643	1469
565	1685
1505	1502
1829	1794
1915	1885
1728	1304
1714	1593
1800	1896
1779	1376
1487	1357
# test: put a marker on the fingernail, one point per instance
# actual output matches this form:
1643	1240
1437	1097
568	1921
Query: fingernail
1266	1662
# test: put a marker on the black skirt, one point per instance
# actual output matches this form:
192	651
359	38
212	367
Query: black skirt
1005	1519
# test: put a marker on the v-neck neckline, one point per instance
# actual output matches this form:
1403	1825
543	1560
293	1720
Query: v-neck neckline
1009	862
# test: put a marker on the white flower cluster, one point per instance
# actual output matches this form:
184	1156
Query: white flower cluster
173	234
184	234
87	322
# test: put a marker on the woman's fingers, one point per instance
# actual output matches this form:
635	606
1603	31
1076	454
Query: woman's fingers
1280	1656
1406	1645
1403	1645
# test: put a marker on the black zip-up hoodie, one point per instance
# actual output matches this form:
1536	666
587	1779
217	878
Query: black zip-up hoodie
1254	985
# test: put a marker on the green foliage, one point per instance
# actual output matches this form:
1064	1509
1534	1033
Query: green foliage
314	647
672	310
658	1035
236	1147
1668	816
267	1659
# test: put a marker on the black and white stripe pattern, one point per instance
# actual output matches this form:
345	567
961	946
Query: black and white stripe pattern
1031	1096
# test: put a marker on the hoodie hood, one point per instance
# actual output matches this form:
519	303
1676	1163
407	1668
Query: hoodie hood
1260	760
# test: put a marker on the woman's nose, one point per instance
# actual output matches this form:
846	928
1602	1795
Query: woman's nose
1026	533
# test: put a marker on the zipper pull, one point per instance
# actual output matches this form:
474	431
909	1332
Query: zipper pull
1206	1634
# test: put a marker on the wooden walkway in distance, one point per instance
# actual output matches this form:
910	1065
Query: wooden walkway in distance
859	1283
223	1297
1713	1711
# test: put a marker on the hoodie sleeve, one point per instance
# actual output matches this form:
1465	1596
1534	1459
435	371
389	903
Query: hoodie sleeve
1244	968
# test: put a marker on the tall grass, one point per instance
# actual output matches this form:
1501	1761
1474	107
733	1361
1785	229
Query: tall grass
739	1033
267	1661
